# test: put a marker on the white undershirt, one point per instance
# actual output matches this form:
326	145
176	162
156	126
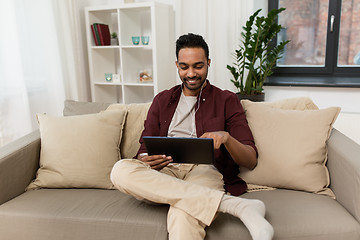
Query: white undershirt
183	122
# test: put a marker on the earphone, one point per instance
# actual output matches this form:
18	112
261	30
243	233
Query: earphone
193	132
198	99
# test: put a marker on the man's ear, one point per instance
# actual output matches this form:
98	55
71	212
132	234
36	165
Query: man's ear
208	62
177	64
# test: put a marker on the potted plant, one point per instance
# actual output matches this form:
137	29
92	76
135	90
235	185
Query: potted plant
256	55
114	39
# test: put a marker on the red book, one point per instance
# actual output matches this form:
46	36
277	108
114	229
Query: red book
94	35
104	34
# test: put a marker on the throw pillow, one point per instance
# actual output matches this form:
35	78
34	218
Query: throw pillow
134	125
292	147
298	103
78	151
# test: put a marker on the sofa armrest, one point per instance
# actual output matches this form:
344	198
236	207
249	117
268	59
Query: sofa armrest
344	168
19	161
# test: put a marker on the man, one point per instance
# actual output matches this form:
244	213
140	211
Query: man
195	193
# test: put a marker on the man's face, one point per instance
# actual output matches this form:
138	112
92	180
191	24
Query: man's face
192	67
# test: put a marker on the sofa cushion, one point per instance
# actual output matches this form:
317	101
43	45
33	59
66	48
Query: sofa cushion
302	215
106	214
90	214
72	107
294	215
291	146
297	103
78	151
134	125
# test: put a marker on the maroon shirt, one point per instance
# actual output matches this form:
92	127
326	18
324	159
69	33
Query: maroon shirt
220	110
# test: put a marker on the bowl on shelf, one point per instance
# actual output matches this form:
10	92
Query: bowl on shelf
108	77
135	40
145	40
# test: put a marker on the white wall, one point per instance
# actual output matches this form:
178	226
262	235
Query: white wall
348	121
186	20
346	98
81	26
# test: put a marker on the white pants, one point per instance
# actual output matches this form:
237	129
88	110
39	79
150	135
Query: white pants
193	192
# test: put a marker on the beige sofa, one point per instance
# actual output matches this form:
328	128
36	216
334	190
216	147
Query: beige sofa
71	213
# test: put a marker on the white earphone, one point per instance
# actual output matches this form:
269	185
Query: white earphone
192	113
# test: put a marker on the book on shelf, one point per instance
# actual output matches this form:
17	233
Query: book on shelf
94	35
104	34
101	34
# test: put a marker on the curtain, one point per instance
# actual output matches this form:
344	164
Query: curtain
38	59
220	23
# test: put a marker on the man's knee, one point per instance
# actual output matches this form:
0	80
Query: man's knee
122	171
207	176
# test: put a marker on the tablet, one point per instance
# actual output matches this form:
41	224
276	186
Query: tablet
182	150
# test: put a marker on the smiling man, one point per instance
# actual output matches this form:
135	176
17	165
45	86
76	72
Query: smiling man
193	69
196	193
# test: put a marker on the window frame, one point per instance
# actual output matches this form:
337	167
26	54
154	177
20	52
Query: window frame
330	74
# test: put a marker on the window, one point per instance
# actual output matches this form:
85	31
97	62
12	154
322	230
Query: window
325	42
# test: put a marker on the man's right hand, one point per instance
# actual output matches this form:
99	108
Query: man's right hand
156	162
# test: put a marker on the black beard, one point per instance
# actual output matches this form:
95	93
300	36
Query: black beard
184	80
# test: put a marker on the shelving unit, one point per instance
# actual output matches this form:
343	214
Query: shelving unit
152	19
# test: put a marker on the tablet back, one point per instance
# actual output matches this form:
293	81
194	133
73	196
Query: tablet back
182	150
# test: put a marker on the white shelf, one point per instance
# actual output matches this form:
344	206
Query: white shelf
152	19
105	47
139	84
125	84
108	83
137	46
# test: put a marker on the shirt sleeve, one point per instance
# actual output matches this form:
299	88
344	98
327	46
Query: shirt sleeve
237	124
151	124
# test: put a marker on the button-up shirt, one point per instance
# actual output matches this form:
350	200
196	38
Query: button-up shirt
219	110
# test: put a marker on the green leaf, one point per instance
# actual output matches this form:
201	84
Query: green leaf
254	53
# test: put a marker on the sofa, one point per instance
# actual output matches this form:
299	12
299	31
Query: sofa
107	214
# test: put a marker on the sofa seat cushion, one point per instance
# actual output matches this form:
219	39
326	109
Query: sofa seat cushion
301	215
81	214
108	214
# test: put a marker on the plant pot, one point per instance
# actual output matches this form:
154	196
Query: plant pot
253	98
114	42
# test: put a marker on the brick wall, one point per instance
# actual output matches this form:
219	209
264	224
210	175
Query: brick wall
306	26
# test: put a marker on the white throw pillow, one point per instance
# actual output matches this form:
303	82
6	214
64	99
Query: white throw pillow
134	125
78	151
291	146
297	103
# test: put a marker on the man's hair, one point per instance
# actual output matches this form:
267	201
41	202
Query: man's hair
191	40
